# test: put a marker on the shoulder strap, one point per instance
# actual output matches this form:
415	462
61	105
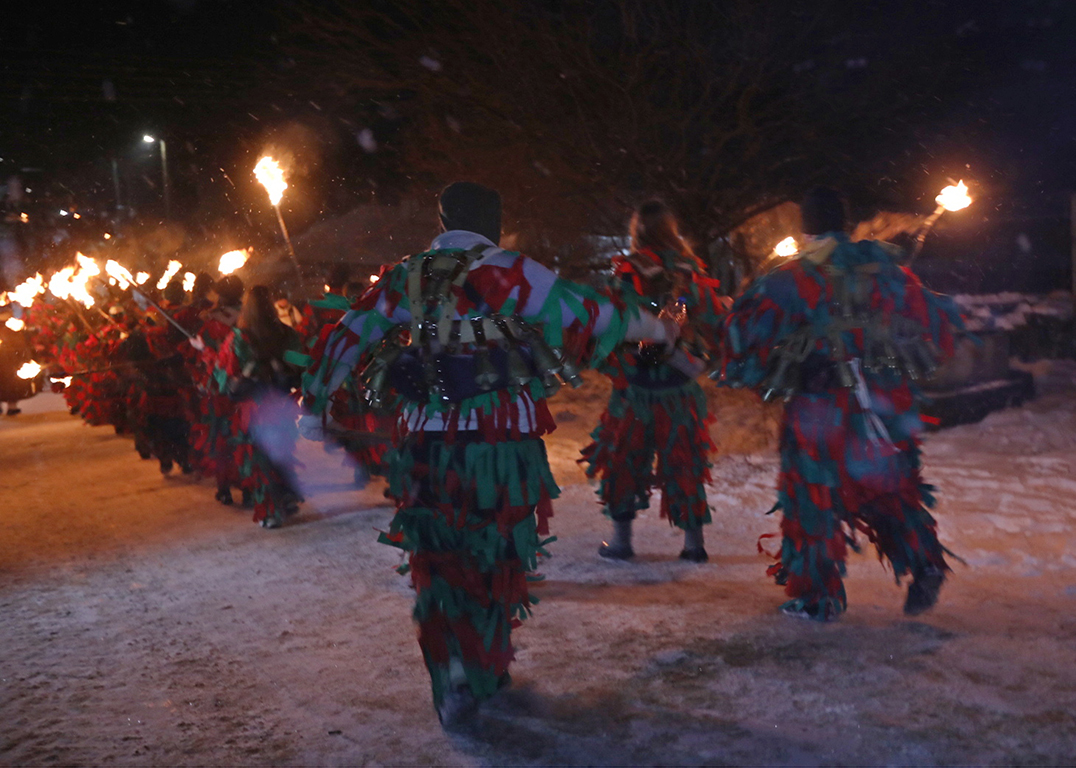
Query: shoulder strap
433	282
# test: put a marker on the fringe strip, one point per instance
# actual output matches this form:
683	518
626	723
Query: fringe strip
472	516
653	438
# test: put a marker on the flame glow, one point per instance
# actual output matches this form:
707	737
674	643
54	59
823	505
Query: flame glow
232	260
119	273
173	267
25	292
70	282
29	370
373	278
271	176
141	278
87	268
188	281
65	380
787	247
15	324
954	198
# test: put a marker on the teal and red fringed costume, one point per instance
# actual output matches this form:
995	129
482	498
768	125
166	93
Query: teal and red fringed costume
212	429
460	339
843	332
263	432
654	432
361	430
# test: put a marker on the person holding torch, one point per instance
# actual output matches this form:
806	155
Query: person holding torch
842	332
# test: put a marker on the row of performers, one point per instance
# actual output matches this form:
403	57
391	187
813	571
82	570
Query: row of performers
208	390
467	341
457	350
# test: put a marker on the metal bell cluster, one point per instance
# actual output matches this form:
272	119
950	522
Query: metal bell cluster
375	376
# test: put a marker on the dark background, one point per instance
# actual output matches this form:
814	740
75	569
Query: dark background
889	100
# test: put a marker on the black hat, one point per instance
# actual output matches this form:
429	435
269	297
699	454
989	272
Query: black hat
823	211
471	207
337	277
230	290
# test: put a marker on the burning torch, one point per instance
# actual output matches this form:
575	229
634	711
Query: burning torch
953	198
232	260
271	176
119	274
780	253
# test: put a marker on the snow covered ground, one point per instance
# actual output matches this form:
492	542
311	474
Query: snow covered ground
143	624
1006	311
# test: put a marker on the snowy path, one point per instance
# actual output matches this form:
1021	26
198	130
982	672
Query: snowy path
143	624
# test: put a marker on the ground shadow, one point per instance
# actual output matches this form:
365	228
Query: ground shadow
771	697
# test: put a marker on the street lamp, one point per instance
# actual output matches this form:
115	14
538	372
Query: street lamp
149	139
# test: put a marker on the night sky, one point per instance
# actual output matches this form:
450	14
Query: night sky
82	82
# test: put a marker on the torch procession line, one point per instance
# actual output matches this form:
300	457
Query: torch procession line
167	316
61	374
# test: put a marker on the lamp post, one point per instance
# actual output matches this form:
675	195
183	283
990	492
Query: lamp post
148	139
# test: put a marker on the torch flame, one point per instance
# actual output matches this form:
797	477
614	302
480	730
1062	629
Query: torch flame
15	324
787	247
25	292
69	283
60	283
188	281
173	267
119	273
142	278
232	260
954	198
271	176
28	370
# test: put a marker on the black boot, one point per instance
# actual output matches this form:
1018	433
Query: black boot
458	706
923	591
694	551
620	547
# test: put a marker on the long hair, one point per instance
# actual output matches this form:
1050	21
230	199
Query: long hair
654	227
261	326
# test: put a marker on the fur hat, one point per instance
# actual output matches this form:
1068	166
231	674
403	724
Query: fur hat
823	210
471	207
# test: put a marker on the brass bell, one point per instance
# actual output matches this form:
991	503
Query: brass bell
544	359
569	372
486	376
775	382
844	373
519	373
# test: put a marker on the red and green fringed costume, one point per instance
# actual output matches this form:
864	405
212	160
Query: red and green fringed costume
469	471
843	332
654	433
212	428
361	426
263	431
